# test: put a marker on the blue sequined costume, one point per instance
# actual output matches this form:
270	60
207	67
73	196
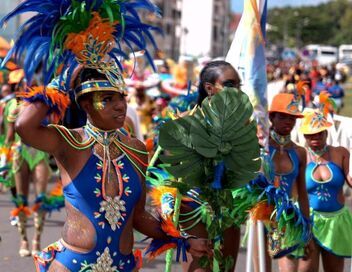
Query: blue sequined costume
107	214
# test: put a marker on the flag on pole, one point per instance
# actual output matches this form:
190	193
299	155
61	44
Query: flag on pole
247	56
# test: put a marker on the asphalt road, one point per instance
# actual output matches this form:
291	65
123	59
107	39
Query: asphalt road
11	262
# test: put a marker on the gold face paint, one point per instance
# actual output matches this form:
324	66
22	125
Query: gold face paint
98	102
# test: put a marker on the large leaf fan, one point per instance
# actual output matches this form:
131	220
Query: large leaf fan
216	147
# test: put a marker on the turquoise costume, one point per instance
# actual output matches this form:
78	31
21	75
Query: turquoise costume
332	220
287	179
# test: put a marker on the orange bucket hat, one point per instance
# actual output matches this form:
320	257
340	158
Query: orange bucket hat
286	103
289	102
315	120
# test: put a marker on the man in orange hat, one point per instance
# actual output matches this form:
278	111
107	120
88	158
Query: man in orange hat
289	159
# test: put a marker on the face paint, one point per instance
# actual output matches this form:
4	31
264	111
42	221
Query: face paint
98	102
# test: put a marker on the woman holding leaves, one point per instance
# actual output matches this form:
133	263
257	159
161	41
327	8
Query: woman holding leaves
207	150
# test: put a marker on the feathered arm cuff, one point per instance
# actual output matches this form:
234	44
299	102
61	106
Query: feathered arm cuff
176	239
57	101
48	203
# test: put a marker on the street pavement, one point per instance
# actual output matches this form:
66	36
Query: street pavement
11	262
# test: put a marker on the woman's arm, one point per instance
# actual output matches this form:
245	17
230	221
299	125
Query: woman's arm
29	126
346	165
145	223
301	183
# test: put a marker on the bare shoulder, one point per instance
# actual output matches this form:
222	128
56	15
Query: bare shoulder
301	151
138	147
340	150
67	136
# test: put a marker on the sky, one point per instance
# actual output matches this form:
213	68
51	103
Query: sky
237	5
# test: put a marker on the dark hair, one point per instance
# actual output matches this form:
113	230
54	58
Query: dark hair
209	74
90	74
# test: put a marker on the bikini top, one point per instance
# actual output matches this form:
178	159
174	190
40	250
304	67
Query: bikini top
286	180
323	194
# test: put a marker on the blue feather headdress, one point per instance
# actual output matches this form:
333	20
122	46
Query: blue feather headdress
61	29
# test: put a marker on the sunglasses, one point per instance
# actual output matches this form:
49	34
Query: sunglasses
231	83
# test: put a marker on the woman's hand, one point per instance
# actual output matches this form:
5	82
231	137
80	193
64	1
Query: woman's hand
200	247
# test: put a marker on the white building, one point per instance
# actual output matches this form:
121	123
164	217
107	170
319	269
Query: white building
205	27
170	23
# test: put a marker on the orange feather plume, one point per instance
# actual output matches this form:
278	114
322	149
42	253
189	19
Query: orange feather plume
58	99
138	258
326	103
301	87
159	251
262	211
102	32
24	209
169	228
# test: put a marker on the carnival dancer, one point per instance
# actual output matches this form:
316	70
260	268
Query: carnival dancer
28	164
328	169
8	104
213	78
218	81
288	159
102	169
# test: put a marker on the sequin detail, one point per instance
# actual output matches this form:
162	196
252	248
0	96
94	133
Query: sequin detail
113	208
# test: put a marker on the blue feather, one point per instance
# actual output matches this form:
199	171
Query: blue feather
35	36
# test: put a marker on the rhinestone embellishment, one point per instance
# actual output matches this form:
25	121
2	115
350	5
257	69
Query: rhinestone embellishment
113	208
104	263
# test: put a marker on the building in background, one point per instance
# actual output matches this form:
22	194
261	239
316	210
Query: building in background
205	27
191	27
170	23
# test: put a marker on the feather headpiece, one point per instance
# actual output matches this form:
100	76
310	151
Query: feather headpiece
315	120
92	33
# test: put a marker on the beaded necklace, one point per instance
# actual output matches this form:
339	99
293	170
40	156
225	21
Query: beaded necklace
316	155
280	139
105	138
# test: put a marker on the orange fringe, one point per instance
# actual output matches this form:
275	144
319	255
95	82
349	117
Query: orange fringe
57	190
162	249
169	228
262	211
36	207
60	99
100	29
138	258
24	209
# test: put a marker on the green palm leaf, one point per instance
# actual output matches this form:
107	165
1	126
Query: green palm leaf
220	131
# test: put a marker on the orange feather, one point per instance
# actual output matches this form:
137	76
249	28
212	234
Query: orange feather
169	228
262	211
301	87
59	99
